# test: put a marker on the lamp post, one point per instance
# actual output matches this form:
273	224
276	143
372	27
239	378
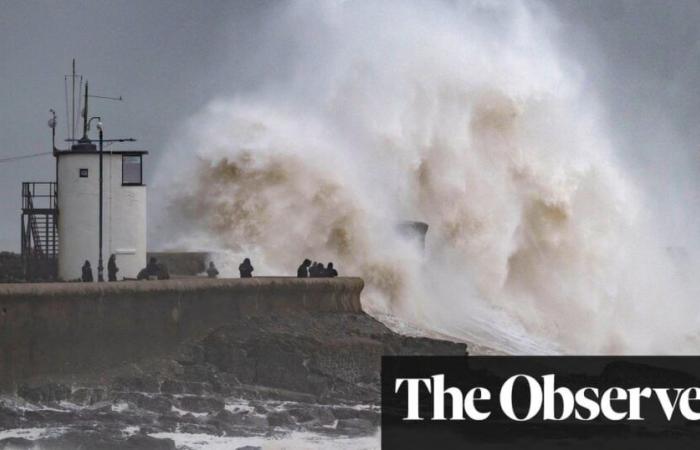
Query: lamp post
100	266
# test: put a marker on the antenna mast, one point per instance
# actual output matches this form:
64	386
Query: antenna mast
71	106
85	112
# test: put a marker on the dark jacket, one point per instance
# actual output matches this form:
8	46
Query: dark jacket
87	273
112	269
330	271
303	270
246	269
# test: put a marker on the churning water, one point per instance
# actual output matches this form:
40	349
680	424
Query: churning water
461	115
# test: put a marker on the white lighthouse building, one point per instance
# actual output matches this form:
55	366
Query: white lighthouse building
96	208
123	210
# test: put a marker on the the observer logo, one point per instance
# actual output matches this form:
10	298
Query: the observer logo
586	403
540	402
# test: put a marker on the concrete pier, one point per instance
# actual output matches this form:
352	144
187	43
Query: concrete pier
77	330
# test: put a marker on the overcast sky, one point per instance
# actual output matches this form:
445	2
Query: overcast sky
169	58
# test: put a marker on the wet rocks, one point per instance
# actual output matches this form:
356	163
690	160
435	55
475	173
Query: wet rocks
9	418
45	393
201	404
258	376
355	425
280	419
15	444
102	441
88	396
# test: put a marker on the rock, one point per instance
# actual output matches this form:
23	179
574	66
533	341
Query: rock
259	408
226	420
201	404
249	447
87	396
81	440
254	421
9	418
144	442
137	384
273	394
321	415
226	416
373	416
47	417
355	425
155	403
46	393
280	419
199	428
172	387
15	444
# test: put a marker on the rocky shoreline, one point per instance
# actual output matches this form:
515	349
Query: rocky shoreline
259	376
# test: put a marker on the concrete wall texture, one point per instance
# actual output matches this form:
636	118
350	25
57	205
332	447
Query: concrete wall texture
74	331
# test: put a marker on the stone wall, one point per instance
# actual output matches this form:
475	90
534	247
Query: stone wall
76	331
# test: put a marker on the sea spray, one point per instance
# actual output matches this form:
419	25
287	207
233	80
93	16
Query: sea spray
464	116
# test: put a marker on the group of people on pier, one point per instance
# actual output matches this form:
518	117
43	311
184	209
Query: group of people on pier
309	269
154	270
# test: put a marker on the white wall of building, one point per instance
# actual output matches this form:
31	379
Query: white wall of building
124	216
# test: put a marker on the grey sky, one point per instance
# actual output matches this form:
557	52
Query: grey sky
168	58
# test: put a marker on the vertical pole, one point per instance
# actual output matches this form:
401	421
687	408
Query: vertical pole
100	268
24	255
72	135
85	112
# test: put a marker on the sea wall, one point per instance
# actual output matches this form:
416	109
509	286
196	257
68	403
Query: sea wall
75	331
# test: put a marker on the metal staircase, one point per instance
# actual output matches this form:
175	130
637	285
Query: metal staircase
40	230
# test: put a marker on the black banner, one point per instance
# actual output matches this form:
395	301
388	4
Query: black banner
495	402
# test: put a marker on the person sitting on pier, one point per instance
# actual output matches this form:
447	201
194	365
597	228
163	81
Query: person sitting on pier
163	273
152	268
87	272
303	270
330	271
112	268
212	271
246	269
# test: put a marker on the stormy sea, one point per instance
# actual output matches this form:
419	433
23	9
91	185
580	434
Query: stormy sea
466	116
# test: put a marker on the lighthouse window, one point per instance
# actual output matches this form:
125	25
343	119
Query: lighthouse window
83	173
131	170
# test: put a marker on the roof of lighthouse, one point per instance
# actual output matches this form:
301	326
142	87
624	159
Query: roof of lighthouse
82	151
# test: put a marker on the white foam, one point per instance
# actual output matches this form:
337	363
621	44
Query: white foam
292	441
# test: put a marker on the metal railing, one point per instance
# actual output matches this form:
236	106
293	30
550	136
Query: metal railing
40	230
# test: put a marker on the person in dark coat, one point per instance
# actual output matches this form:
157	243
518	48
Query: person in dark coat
319	271
303	270
212	271
87	272
313	270
162	272
330	271
112	268
152	268
246	269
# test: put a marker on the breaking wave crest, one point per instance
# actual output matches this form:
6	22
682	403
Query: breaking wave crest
465	117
